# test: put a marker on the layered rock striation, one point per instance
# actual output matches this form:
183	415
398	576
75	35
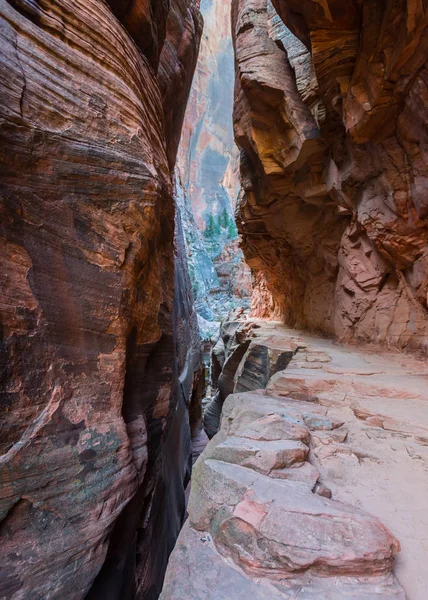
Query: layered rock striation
241	361
330	116
100	358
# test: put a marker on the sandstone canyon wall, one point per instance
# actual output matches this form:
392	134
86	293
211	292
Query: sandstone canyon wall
208	164
99	348
331	118
208	158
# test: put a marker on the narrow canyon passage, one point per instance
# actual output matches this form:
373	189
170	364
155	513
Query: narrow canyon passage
207	176
232	184
312	484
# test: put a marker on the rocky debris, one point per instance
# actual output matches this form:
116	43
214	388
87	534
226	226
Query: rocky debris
330	106
240	364
100	356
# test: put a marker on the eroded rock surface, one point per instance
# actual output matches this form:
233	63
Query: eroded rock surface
99	354
207	158
330	115
243	359
313	485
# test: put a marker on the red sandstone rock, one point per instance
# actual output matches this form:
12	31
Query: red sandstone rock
177	64
208	159
244	364
333	213
208	167
362	413
276	531
186	579
95	433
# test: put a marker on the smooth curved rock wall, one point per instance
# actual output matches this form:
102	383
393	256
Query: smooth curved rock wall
97	366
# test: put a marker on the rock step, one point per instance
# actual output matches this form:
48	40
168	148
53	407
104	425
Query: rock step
197	571
262	456
274	528
265	524
233	452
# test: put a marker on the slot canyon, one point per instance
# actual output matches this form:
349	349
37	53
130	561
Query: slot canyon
214	299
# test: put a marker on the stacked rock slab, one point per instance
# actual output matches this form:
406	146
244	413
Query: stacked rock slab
330	115
99	349
298	493
242	359
255	514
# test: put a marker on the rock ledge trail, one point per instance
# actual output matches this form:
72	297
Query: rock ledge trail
315	486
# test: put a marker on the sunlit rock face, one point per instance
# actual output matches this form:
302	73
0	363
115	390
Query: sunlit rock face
208	158
330	115
99	347
208	161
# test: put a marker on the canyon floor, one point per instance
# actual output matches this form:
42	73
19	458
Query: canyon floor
315	487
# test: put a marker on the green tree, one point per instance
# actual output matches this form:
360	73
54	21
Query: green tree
210	226
232	230
225	219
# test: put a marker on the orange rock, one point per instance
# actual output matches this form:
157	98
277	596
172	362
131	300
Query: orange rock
330	106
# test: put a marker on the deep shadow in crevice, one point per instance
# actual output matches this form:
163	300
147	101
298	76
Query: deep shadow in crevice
145	532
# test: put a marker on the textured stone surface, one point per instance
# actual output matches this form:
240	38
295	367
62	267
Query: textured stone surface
277	528
242	360
99	348
282	531
177	64
330	115
208	159
220	279
224	582
220	581
262	521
